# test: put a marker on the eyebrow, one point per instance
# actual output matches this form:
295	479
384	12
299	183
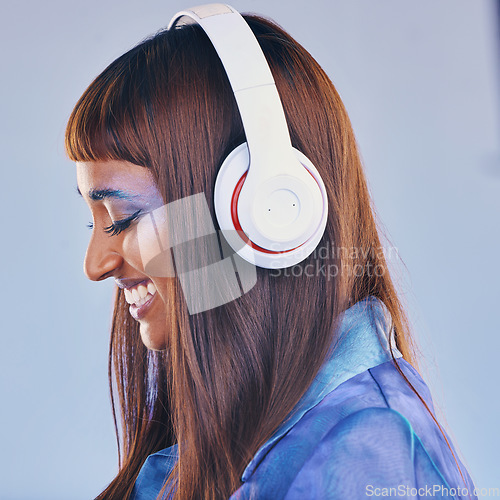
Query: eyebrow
101	194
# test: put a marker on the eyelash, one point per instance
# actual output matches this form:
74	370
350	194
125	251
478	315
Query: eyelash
118	226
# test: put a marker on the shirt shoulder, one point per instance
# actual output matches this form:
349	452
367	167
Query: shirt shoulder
371	431
369	450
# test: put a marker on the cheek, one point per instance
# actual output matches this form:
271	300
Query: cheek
166	290
131	251
147	246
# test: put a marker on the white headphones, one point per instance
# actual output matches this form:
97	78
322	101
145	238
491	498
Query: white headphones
270	201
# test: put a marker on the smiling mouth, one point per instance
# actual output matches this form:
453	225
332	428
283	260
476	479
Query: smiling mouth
140	297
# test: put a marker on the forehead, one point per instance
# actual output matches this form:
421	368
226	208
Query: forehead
115	175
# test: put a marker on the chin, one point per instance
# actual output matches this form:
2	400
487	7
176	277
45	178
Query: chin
154	341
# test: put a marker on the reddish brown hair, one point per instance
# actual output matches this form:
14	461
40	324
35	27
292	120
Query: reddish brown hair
230	375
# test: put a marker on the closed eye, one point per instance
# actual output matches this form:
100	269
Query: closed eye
120	225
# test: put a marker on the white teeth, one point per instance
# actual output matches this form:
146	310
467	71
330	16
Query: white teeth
128	296
142	291
140	294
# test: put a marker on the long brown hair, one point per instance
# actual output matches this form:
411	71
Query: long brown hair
230	375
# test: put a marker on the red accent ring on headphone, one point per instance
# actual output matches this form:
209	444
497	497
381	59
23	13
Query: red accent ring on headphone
236	222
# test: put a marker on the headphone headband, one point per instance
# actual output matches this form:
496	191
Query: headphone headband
250	77
266	192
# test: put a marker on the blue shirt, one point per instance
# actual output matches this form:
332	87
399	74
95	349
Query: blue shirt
359	431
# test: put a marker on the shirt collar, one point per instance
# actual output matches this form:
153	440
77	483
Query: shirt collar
361	343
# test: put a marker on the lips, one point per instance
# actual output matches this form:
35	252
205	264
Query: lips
139	296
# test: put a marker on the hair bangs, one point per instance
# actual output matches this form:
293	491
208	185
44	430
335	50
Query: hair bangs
109	120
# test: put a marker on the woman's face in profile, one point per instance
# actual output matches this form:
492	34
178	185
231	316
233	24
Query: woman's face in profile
118	193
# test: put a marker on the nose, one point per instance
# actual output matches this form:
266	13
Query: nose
102	258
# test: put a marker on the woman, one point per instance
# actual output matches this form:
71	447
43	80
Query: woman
301	385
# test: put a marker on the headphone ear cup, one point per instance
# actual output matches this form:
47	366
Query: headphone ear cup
228	184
